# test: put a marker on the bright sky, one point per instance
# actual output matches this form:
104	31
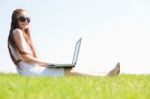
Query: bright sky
112	31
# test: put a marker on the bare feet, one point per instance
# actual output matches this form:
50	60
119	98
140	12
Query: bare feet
115	71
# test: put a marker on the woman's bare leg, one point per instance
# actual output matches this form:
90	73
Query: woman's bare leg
115	71
71	72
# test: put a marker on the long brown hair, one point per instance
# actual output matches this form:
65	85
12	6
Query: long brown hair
15	51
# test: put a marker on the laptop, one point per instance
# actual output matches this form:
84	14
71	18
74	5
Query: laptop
74	60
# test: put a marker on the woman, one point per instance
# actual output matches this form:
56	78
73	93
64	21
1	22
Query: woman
23	53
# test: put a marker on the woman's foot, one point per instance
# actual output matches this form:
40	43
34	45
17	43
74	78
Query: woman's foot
115	71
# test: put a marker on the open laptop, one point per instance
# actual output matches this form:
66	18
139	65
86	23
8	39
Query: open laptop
74	60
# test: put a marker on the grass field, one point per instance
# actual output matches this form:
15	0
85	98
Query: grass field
13	86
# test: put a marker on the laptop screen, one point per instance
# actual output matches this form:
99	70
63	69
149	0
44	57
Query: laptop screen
76	51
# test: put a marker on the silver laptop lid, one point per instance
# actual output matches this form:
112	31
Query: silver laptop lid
76	51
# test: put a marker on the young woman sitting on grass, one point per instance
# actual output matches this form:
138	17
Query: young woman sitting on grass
24	56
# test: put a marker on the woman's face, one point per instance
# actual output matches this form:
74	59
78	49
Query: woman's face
23	20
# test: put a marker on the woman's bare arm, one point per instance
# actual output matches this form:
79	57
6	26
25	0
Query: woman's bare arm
23	47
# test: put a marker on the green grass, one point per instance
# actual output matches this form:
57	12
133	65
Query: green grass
75	87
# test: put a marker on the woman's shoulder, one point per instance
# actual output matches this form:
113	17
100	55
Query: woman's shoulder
17	31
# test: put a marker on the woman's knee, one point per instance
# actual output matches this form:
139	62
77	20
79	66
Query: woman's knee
68	71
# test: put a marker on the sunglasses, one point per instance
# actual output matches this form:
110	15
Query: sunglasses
23	19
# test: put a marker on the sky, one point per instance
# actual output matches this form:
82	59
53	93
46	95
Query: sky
112	31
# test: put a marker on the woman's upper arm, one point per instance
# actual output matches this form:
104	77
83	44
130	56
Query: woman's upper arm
23	47
20	40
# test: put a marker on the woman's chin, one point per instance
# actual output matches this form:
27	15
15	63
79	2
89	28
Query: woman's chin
25	27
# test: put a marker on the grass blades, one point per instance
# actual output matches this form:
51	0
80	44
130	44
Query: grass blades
13	86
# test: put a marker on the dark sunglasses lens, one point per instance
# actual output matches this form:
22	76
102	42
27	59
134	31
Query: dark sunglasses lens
28	19
23	19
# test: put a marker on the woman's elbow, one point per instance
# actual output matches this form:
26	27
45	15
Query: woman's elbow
27	61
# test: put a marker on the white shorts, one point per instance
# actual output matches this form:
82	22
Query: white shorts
35	70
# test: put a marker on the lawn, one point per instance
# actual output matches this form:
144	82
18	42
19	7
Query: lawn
123	86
